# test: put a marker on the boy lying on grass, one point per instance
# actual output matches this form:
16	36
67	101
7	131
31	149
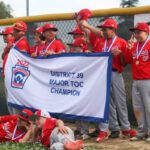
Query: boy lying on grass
16	128
53	133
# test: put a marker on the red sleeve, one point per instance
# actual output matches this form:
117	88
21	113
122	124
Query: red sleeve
49	127
8	118
93	38
60	47
23	45
32	49
53	121
128	56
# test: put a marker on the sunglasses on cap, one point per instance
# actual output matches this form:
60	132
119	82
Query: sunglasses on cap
18	25
24	115
17	30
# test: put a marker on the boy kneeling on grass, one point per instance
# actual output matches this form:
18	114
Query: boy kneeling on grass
16	128
53	133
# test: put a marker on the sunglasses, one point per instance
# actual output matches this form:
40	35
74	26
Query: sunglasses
18	25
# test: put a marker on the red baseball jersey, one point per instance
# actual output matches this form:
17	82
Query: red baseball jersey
119	43
54	46
6	56
140	66
47	129
93	39
9	130
34	49
22	44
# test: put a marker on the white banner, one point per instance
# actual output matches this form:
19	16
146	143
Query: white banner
69	85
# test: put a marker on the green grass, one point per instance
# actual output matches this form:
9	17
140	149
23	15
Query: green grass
30	146
20	146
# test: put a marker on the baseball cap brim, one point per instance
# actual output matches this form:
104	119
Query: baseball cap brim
5	33
26	119
54	29
133	29
35	31
33	117
75	33
2	34
105	27
20	29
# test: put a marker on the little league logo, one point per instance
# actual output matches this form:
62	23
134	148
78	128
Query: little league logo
19	76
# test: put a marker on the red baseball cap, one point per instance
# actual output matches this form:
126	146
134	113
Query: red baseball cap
25	114
140	26
76	31
78	42
20	25
42	113
84	14
49	26
38	29
110	23
7	30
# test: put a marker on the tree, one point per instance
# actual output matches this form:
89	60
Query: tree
128	3
5	11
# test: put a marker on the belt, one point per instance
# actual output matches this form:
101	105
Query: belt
114	70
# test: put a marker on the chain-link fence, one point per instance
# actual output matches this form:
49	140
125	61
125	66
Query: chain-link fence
65	26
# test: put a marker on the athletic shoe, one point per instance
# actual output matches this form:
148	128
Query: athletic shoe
138	138
82	137
94	133
114	134
76	133
148	138
102	136
129	133
73	145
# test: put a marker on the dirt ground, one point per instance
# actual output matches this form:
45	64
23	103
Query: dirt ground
113	144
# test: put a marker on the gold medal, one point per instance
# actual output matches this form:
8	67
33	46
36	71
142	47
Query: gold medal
137	62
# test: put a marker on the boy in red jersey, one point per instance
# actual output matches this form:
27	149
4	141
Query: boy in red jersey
54	133
138	54
112	43
16	128
38	39
7	36
52	45
19	30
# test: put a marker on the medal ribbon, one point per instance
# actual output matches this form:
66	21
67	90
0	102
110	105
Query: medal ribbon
36	49
139	51
47	46
14	134
18	41
108	49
